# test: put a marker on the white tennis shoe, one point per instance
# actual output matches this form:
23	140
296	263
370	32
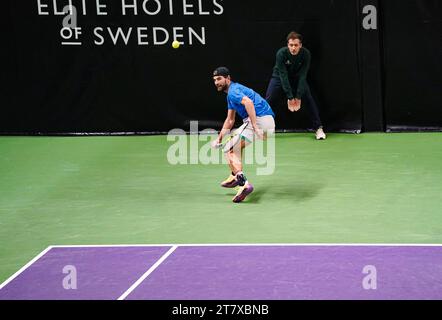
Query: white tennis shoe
320	134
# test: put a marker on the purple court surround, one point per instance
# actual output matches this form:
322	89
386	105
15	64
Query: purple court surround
102	273
232	272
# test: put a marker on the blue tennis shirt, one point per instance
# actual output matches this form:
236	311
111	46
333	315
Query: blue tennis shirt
236	94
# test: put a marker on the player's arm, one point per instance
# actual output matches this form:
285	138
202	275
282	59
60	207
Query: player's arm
250	108
284	75
293	104
228	124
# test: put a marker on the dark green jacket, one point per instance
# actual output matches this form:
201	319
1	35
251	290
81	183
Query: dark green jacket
290	68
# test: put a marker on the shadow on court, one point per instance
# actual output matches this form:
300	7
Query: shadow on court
295	193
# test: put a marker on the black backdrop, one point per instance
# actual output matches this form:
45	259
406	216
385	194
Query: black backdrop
412	39
51	88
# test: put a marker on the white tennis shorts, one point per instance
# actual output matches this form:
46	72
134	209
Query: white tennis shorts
265	123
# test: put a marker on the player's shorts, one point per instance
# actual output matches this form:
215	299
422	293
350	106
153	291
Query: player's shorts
265	123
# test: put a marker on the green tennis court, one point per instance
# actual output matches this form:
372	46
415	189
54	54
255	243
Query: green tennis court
367	188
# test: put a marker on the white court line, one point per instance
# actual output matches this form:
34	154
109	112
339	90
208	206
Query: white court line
25	267
147	273
111	245
254	245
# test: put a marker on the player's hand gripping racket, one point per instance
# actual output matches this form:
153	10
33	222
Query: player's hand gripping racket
233	139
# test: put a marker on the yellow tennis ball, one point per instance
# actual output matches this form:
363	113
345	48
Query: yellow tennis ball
175	44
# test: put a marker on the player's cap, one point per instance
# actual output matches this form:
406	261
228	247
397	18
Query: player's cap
221	71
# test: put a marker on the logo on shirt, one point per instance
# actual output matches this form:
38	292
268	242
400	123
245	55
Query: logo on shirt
288	62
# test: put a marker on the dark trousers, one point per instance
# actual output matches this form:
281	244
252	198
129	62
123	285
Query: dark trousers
275	95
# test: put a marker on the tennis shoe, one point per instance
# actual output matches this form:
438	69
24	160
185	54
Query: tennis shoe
243	192
320	135
230	182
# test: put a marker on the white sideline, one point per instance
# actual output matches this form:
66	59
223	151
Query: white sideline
254	245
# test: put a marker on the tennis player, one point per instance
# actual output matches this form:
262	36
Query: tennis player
252	108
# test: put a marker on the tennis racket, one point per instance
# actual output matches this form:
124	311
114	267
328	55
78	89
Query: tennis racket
233	139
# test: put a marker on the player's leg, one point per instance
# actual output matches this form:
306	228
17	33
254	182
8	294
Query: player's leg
267	125
234	160
247	137
231	181
313	113
234	157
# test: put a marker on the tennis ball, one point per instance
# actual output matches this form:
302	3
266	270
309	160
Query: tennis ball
175	44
